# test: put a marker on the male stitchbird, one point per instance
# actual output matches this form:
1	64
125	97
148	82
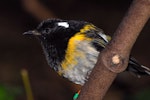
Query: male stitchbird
72	48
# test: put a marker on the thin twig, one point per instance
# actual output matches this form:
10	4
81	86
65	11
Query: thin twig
36	9
27	86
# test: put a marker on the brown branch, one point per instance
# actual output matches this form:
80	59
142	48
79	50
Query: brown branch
114	58
39	11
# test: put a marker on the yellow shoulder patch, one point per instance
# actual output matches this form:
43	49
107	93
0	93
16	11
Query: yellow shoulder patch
87	27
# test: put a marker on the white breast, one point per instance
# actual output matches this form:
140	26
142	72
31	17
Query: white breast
85	63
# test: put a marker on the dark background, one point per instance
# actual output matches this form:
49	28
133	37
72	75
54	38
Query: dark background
19	52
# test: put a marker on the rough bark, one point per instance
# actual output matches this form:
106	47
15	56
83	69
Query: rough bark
114	58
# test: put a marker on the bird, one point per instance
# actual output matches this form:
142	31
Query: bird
72	47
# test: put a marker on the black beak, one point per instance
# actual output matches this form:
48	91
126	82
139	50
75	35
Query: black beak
33	32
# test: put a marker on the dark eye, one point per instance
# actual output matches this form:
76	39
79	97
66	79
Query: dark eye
46	30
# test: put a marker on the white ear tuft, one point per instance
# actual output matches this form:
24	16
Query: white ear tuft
64	24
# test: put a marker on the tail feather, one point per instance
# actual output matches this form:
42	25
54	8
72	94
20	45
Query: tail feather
137	68
147	70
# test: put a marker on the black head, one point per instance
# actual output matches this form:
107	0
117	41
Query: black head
56	27
54	35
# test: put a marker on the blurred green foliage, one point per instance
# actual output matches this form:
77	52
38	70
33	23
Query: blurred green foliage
143	95
9	92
